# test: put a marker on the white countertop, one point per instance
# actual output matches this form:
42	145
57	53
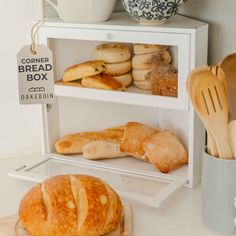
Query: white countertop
179	215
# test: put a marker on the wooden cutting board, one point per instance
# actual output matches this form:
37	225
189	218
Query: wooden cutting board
10	226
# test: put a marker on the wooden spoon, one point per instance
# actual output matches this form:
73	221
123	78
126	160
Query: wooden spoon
211	144
232	136
210	101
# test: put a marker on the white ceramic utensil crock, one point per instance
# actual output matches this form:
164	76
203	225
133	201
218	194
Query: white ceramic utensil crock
83	11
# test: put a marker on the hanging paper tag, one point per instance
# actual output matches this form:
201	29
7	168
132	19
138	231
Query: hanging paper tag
35	75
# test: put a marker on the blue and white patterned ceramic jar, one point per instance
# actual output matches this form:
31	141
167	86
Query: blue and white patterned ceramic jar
152	11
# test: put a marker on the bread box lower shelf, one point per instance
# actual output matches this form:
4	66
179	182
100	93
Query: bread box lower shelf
131	178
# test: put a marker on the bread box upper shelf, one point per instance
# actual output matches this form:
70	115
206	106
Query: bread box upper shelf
186	37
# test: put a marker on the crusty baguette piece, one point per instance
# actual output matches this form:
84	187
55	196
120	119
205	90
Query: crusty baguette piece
79	71
134	135
73	144
70	205
148	48
165	151
102	149
112	52
102	82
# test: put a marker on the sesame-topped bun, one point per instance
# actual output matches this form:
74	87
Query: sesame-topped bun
112	52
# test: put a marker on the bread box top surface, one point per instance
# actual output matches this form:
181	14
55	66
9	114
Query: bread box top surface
122	21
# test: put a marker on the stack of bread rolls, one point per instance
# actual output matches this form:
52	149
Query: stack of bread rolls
117	59
146	58
162	149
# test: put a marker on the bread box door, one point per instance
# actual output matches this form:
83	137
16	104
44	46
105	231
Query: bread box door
130	185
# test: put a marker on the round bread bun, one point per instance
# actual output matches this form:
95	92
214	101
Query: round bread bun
150	60
112	52
145	85
118	68
79	71
139	75
148	48
125	79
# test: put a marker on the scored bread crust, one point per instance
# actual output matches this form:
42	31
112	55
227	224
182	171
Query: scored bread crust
118	68
79	71
150	60
112	52
70	205
102	82
73	144
134	135
148	48
125	79
165	151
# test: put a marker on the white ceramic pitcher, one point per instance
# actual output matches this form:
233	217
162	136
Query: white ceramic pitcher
83	11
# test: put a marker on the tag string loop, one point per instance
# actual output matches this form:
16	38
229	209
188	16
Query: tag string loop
34	32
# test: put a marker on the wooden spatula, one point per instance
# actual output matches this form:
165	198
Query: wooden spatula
211	144
229	67
210	100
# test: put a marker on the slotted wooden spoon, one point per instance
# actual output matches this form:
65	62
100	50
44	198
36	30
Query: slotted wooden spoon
210	101
211	144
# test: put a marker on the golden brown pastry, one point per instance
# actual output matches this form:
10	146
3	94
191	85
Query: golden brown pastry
76	83
125	79
70	205
165	151
150	60
102	82
112	52
79	71
148	48
73	144
102	149
164	80
134	135
118	68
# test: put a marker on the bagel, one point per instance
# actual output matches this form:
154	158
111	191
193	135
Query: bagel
79	71
150	60
118	68
125	79
145	85
139	75
148	48
112	52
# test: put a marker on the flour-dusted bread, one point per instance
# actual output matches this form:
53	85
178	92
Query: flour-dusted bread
134	135
118	68
102	82
74	143
125	79
150	60
112	52
102	149
165	151
75	83
79	71
148	48
70	205
139	75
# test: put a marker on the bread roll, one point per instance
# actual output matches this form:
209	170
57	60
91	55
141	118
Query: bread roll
70	205
148	48
144	85
165	151
102	82
101	149
125	79
150	60
82	70
112	52
134	135
73	144
76	83
139	75
118	68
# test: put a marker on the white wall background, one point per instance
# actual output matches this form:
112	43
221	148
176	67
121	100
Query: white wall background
20	125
